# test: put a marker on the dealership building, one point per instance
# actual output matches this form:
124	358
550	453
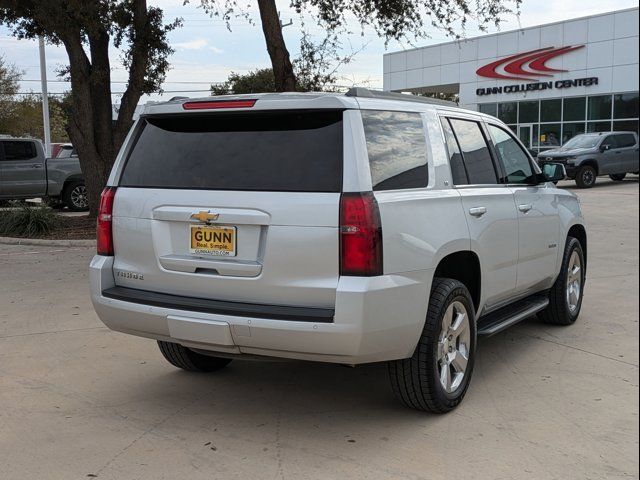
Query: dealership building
548	83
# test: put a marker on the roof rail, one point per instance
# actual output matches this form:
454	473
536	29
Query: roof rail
366	93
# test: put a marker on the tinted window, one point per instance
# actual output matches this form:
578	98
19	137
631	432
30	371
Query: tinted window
508	112
610	141
574	108
475	153
455	157
489	108
625	140
19	150
599	107
625	105
515	161
271	151
397	149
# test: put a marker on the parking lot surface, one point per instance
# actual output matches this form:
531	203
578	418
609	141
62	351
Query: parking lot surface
78	401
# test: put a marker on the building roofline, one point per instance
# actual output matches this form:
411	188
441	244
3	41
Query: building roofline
464	40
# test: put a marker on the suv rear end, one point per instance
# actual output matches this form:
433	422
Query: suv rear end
247	226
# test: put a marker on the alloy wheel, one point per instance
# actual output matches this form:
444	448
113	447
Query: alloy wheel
454	344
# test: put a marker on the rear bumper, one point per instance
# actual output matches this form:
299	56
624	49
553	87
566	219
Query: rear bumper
375	319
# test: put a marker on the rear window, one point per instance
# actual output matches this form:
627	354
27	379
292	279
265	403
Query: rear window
397	149
271	151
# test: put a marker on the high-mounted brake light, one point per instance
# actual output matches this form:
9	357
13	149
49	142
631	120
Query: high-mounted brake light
104	233
212	105
360	235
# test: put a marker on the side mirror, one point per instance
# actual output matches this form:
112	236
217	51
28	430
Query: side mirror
554	172
604	148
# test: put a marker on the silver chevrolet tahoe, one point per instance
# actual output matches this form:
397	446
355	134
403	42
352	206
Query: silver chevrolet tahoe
343	228
589	155
26	173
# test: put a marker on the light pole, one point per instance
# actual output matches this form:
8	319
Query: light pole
45	99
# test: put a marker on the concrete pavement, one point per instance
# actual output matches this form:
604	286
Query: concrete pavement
78	401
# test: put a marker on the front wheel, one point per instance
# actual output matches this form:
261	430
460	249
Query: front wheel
586	177
565	297
617	177
186	359
437	376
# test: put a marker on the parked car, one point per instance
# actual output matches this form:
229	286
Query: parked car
349	229
26	173
589	155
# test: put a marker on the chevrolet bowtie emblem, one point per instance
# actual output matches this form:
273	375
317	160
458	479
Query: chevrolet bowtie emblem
205	216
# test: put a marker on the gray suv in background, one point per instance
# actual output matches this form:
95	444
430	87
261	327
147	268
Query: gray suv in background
26	173
591	154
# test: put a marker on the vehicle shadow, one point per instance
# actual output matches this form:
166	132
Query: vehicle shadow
601	182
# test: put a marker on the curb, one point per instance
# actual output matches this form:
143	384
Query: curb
45	242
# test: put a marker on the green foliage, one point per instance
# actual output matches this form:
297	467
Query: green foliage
27	221
256	81
24	118
9	77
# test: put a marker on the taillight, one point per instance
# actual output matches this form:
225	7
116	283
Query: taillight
214	104
104	235
360	235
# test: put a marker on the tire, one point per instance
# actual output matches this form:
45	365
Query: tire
416	381
562	308
617	177
188	360
75	197
586	177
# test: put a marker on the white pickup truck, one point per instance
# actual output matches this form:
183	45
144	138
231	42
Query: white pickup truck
26	173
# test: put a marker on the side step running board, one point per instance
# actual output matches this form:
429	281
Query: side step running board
511	314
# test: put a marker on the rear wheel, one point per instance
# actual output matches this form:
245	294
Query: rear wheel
618	177
436	377
187	359
565	297
75	197
586	177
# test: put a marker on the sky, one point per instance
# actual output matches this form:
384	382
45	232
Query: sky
206	52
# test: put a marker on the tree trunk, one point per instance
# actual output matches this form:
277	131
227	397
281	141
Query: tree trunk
280	61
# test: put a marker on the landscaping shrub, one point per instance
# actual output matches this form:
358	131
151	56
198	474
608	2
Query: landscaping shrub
28	221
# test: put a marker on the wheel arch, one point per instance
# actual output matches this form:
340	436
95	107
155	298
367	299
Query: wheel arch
464	266
578	231
592	162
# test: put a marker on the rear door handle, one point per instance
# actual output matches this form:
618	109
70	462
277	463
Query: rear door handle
477	211
524	208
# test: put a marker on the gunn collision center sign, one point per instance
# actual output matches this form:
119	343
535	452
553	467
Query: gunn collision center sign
530	67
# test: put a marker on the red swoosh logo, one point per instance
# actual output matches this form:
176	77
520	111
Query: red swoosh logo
523	66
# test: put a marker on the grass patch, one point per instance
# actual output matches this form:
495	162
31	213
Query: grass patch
28	221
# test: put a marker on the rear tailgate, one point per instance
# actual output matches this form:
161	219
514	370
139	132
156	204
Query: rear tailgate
232	206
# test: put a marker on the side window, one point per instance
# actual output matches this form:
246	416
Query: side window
610	141
19	150
475	152
516	163
397	149
458	172
625	140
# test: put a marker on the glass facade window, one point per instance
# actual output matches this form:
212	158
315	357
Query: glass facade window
598	126
599	107
625	126
570	130
544	124
489	108
625	105
551	110
528	112
508	112
550	135
574	109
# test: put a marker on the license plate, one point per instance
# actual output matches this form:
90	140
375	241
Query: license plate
219	240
